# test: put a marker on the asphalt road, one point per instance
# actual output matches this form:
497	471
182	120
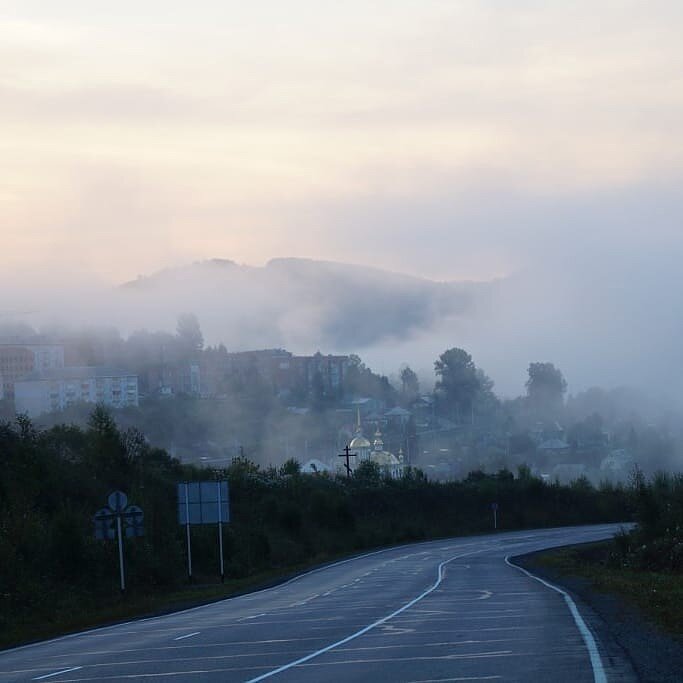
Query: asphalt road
450	610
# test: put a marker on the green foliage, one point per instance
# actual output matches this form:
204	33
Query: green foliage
410	385
546	385
291	467
55	480
361	381
656	543
368	471
457	382
189	333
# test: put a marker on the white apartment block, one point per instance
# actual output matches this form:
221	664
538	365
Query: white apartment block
56	388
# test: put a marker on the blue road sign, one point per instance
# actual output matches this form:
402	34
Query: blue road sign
117	501
104	525
198	502
133	518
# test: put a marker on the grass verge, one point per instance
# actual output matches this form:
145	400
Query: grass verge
74	611
658	594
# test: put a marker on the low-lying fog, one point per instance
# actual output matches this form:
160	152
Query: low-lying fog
602	317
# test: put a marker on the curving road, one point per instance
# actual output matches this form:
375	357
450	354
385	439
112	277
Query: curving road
449	610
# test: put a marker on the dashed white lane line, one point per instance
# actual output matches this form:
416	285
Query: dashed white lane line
599	675
188	635
56	673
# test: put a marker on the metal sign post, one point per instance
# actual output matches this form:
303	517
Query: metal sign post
494	507
119	535
187	533
220	533
129	515
204	502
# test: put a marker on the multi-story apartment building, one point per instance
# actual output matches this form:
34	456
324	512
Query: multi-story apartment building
284	371
18	359
330	370
54	389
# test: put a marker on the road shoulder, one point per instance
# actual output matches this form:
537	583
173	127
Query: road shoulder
633	648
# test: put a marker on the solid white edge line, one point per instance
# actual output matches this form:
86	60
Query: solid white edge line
56	673
599	675
365	629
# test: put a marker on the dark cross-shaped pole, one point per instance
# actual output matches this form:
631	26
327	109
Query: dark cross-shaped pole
347	454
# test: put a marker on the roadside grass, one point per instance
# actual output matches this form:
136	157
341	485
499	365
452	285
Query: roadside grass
658	594
57	615
74	612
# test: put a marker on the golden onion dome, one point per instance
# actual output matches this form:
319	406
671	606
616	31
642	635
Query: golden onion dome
359	442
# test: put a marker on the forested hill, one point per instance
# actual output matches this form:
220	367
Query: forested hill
301	302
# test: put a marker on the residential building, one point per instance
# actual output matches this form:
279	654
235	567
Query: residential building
45	391
329	370
18	358
278	368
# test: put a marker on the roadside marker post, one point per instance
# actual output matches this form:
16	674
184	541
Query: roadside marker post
494	507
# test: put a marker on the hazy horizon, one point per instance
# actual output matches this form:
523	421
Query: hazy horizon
535	144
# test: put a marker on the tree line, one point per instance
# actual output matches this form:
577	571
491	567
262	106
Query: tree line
54	480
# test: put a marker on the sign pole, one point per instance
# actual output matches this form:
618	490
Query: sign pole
495	518
187	530
220	530
119	534
127	516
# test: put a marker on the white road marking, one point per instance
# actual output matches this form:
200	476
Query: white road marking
596	662
375	660
395	630
467	678
343	641
56	673
187	635
104	630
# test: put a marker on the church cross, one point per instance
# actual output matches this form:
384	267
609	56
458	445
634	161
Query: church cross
347	454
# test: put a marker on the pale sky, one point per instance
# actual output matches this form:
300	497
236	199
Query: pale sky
446	139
